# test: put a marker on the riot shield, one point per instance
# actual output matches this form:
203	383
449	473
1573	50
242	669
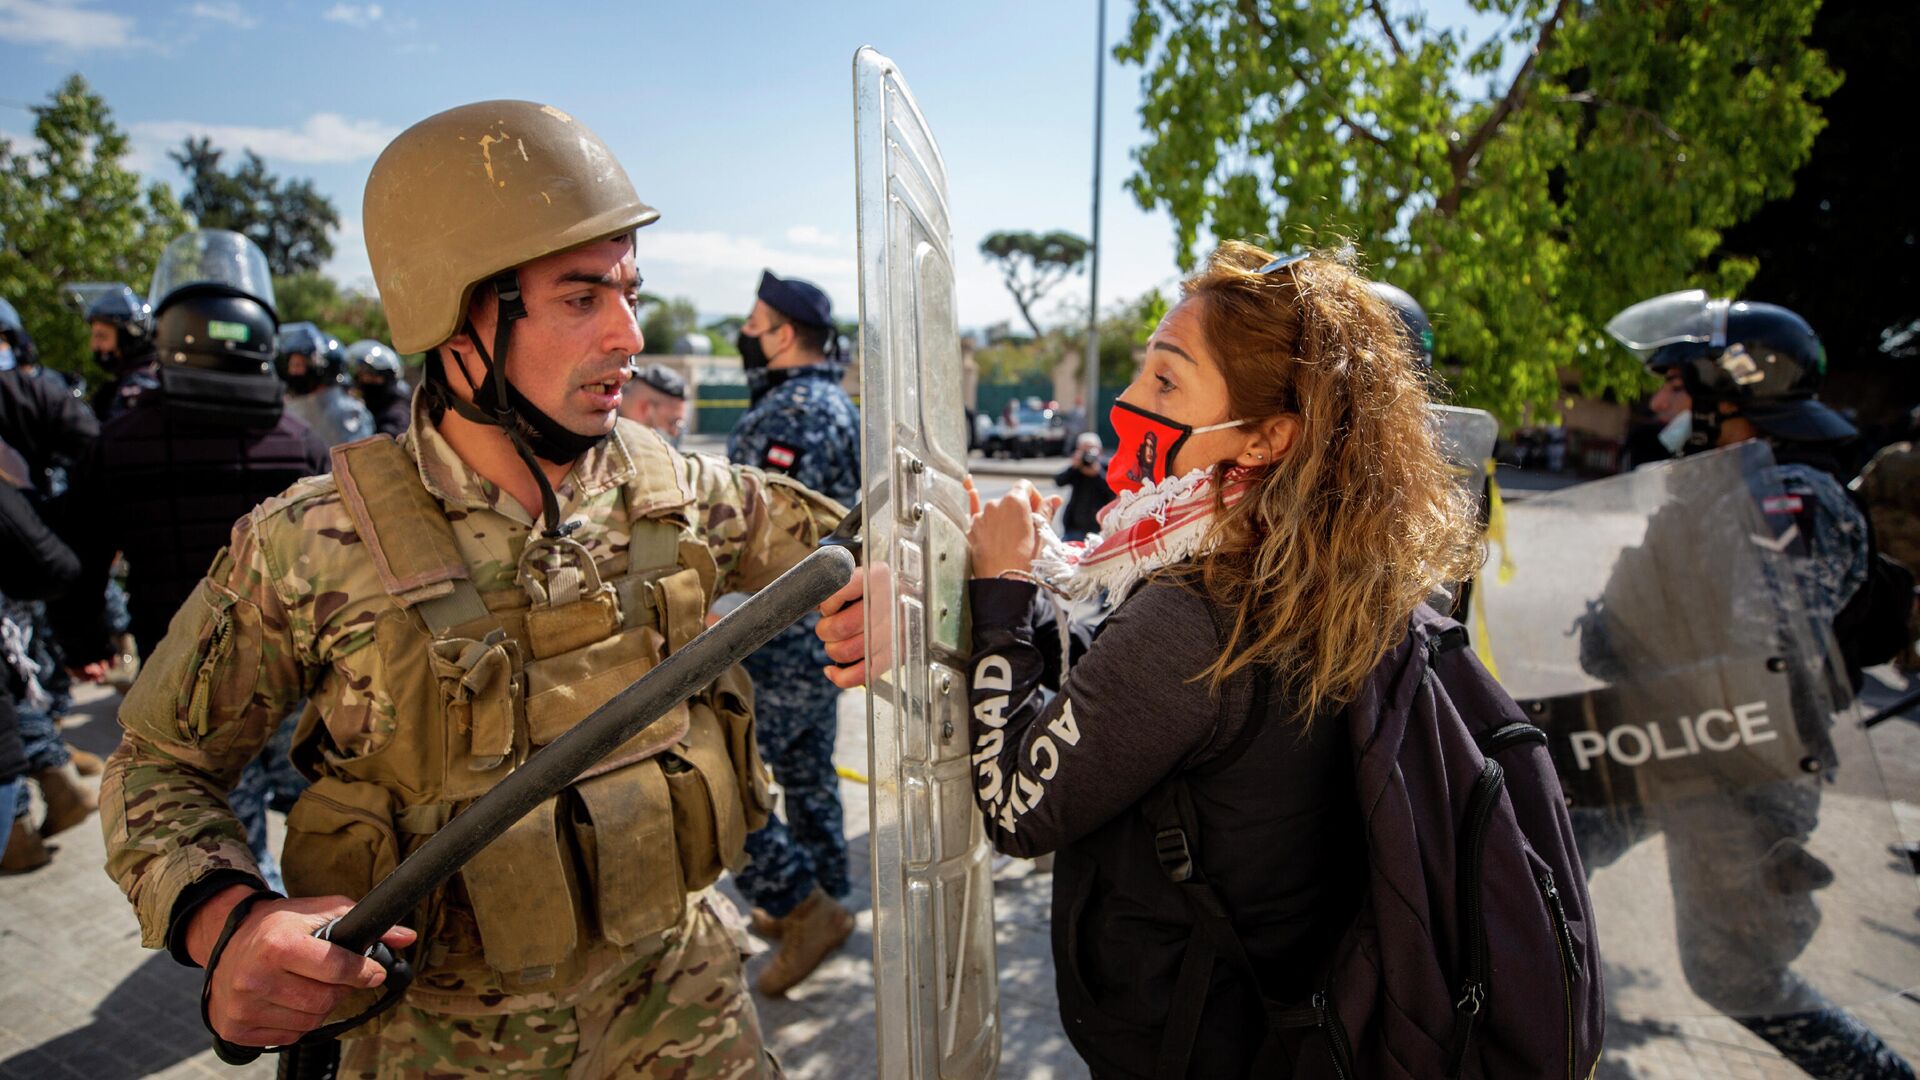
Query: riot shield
1466	439
934	973
1727	804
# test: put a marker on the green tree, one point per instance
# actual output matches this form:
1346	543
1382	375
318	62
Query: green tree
1524	187
71	211
290	220
1031	264
666	321
347	314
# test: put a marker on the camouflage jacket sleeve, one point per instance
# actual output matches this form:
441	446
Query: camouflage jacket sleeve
206	700
757	524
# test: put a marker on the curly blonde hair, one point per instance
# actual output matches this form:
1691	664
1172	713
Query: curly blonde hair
1361	519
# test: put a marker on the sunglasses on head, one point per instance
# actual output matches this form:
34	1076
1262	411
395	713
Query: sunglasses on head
1281	263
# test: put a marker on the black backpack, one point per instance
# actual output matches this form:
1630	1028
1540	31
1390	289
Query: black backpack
1473	952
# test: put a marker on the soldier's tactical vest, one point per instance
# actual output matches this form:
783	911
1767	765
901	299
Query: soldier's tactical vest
481	680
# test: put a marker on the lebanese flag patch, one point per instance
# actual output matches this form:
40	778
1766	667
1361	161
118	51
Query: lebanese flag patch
1781	504
781	456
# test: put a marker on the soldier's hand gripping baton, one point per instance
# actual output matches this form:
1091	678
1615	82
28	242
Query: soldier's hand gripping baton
547	772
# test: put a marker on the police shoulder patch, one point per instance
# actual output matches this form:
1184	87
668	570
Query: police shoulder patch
782	456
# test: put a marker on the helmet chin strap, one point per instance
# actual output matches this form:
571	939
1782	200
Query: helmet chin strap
500	411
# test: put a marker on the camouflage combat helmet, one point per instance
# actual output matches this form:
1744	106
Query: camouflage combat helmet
466	194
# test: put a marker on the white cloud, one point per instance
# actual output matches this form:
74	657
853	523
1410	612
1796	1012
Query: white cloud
718	270
323	138
812	236
354	14
349	265
64	23
226	11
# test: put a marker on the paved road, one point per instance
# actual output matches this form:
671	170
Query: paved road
80	998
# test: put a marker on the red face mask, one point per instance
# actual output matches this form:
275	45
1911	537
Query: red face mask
1148	443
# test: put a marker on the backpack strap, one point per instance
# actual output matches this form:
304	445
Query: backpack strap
406	531
1169	812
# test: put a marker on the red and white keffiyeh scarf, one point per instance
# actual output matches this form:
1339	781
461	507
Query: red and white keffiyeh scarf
1156	526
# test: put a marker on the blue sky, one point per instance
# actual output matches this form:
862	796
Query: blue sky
734	118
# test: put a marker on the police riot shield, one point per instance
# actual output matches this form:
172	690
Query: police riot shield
934	973
1728	807
1466	439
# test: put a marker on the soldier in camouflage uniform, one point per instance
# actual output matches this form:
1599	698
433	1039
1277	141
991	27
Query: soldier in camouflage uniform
448	604
1743	880
1890	488
806	427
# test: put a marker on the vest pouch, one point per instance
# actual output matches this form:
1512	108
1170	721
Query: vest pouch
526	902
732	699
709	820
341	840
624	824
476	684
563	690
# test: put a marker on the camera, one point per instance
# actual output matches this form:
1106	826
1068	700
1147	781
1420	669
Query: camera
1089	457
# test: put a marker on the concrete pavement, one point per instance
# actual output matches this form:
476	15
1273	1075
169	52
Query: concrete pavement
80	998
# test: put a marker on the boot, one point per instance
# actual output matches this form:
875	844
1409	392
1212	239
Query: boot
69	802
764	925
125	666
85	762
808	934
24	850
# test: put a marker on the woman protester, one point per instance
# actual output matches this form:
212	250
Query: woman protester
1283	509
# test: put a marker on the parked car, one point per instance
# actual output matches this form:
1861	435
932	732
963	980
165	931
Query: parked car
1030	430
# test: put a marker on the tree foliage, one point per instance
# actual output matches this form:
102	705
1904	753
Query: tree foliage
1031	264
1844	249
347	314
1524	187
665	322
72	211
290	220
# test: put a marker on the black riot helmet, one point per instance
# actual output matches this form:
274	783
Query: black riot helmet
1414	317
1762	359
368	361
318	347
120	307
14	333
214	329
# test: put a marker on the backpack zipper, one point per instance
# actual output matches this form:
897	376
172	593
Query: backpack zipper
1336	1032
1564	935
1473	985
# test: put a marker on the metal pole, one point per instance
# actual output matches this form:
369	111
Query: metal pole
1092	380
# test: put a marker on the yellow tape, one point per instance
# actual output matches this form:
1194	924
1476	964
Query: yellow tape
849	774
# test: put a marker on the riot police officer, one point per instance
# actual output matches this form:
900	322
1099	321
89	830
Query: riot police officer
312	365
120	328
1743	878
169	475
805	426
378	379
451	602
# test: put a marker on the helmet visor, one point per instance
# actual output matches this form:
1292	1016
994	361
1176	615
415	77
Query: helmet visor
1669	320
212	257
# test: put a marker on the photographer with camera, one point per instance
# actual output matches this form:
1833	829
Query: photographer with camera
1086	475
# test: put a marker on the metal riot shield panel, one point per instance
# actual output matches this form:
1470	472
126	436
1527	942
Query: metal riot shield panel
934	973
1466	438
1726	801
